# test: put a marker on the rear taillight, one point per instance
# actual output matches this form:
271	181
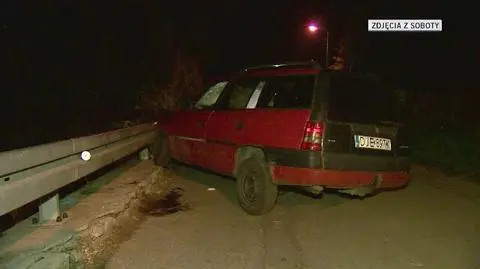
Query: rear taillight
313	136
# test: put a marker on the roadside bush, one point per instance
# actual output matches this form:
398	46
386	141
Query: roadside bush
454	149
339	56
185	85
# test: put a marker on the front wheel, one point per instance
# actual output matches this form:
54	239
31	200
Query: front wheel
256	192
161	151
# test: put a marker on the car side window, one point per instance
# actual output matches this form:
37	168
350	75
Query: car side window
210	97
241	93
288	92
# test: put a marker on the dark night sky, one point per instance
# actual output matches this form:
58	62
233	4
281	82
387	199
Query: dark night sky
64	56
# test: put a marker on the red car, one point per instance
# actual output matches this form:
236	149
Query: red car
292	124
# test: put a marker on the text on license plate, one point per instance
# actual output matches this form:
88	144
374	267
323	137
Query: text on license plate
370	142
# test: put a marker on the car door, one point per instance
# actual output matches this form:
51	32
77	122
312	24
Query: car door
227	127
273	118
187	138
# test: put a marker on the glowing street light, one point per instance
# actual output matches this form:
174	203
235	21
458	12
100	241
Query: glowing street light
312	28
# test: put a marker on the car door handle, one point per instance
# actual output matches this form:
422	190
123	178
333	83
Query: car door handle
239	125
201	124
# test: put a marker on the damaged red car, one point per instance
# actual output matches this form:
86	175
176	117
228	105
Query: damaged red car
292	124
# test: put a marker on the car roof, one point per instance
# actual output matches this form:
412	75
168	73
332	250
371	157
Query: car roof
282	69
278	69
303	64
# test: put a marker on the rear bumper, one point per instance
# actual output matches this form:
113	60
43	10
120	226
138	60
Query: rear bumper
338	179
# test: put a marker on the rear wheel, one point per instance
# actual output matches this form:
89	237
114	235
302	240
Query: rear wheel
256	192
161	151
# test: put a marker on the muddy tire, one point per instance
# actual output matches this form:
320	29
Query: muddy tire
161	151
256	193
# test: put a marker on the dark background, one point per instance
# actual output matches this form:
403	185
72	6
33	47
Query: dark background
72	67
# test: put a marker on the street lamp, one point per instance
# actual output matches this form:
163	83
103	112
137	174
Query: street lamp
313	28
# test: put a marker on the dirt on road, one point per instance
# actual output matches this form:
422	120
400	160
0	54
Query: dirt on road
433	223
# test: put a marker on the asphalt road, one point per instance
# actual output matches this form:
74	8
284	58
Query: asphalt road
422	226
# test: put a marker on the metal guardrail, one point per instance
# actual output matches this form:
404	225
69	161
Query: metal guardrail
31	173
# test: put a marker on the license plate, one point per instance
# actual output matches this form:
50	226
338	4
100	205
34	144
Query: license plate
370	142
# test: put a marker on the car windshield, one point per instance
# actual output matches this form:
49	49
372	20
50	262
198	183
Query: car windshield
362	99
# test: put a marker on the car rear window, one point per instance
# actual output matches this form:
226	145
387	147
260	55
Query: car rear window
295	91
362	99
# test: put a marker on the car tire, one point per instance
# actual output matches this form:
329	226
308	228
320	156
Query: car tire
161	151
256	193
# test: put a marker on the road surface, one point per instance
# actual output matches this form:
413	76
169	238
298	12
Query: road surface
422	226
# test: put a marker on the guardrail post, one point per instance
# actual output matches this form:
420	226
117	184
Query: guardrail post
144	154
50	210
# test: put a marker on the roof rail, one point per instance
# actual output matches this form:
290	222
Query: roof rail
313	63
